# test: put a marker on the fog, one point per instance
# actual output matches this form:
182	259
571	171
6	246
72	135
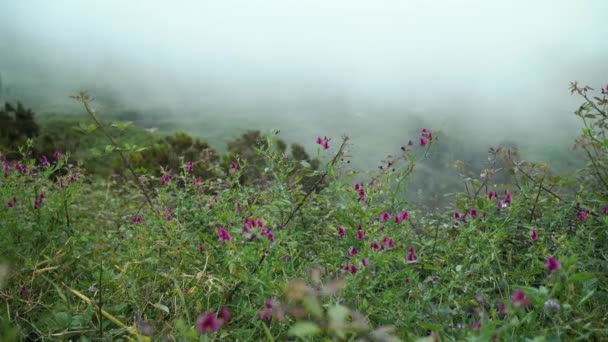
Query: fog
376	70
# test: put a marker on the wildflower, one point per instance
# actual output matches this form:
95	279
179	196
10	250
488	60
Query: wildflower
190	166
200	248
605	210
404	215
502	204
476	326
410	255
365	262
423	142
360	233
357	186
502	309
168	214
353	251
234	167
10	204
45	162
164	180
457	215
225	314
605	90
246	228
508	198
266	314
341	231
23	291
388	242
57	155
224	235
520	299
385	217
270	237
427	134
324	142
238	208
38	202
552	264
92	289
375	246
186	290
207	322
353	269
534	235
473	212
581	215
492	195
137	219
552	306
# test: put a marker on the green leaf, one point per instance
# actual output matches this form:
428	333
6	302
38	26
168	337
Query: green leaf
304	329
91	127
161	307
311	304
581	277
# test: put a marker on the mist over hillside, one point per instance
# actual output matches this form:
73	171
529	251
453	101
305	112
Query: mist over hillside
479	71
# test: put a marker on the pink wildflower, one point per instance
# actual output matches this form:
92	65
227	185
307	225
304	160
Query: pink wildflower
224	235
341	231
190	166
457	215
410	255
519	299
492	195
225	314
353	251
324	142
375	246
208	322
365	262
57	155
388	242
534	235
354	269
360	233
385	217
605	210
423	142
45	162
137	219
605	90
552	264
473	212
581	215
23	291
234	167
165	179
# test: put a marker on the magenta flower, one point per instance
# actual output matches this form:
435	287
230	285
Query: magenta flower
165	179
473	212
388	242
270	236
581	215
476	326
238	208
404	215
385	217
23	291
410	255
10	204
534	235
266	314
190	166
502	204
225	314
519	299
224	235
246	228
57	155
492	195
207	322
353	251
365	262
360	233
457	215
426	134
552	264
508	198
137	219
234	167
375	246
423	142
324	142
341	231
44	161
357	186
605	90
605	210
354	269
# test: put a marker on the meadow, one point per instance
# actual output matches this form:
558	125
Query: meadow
111	232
